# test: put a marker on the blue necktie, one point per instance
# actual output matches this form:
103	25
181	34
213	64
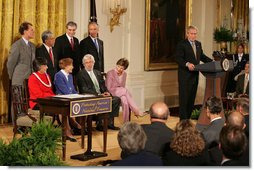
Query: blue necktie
96	45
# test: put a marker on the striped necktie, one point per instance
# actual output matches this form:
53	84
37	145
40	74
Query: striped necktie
96	44
95	82
194	48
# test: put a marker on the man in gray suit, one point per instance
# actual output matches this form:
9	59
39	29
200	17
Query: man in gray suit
21	56
212	132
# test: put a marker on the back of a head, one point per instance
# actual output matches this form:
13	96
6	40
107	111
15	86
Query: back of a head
159	110
233	141
187	140
214	105
235	119
131	138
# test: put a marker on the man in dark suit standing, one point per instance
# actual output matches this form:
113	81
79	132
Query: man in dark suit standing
94	46
67	46
46	51
189	53
158	134
91	81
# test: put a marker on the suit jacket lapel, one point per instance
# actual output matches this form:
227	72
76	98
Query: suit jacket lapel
87	77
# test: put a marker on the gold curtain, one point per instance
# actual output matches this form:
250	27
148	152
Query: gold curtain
43	14
240	12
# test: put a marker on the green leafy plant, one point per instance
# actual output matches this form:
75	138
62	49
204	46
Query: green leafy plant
195	113
223	34
37	148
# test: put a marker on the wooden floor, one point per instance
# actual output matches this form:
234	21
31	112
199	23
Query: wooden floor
113	149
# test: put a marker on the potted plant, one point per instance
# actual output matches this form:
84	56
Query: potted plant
37	148
223	35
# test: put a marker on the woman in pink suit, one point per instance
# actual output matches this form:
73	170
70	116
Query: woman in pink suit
115	82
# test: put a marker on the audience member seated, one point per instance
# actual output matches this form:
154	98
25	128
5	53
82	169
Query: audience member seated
116	82
242	85
211	133
158	134
90	81
132	139
233	143
242	106
239	60
40	86
234	119
187	147
64	85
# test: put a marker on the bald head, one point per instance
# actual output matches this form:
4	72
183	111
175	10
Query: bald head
159	111
236	119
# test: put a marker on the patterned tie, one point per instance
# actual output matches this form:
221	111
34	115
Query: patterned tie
96	45
95	82
51	55
194	48
245	83
72	44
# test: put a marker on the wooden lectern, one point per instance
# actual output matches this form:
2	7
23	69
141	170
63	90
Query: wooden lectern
213	71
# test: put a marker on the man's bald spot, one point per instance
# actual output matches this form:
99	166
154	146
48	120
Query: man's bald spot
236	119
159	110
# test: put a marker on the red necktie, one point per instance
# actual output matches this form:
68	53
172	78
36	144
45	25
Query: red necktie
72	44
51	55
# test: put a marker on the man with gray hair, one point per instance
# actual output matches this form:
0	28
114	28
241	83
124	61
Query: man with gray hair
132	139
90	81
46	51
158	134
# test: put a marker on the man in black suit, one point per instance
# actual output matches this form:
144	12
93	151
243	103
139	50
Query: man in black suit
233	143
46	51
158	134
67	46
188	54
91	81
242	85
94	46
234	119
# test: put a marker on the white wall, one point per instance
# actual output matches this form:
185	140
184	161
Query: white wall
127	40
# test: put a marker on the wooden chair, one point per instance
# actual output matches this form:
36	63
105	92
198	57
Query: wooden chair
23	115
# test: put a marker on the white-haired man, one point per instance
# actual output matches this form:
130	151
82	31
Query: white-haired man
91	81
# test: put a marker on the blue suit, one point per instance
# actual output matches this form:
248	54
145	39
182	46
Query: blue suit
64	86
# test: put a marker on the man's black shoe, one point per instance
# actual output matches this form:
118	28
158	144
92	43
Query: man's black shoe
99	128
113	127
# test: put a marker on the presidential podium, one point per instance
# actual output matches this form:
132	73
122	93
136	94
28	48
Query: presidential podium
213	71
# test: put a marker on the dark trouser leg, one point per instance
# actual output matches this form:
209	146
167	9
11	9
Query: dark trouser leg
187	95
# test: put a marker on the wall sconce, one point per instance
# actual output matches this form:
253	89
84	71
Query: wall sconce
114	9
